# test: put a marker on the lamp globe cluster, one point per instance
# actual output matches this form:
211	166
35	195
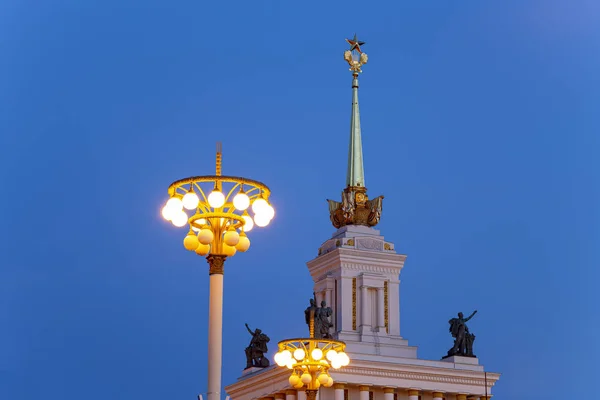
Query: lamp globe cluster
220	220
310	361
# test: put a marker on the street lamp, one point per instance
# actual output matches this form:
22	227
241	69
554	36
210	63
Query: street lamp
218	225
310	360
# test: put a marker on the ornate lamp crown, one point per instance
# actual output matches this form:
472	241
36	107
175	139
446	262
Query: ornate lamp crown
311	358
219	215
355	207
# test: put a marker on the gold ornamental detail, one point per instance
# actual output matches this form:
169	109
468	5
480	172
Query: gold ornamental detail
355	208
353	304
386	311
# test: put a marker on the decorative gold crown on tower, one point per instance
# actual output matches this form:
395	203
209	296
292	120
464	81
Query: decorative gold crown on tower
355	207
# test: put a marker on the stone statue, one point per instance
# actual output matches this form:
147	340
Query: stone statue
322	315
312	307
255	352
463	339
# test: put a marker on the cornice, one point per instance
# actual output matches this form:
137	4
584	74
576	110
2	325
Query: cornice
276	379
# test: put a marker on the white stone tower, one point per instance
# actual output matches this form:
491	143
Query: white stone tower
356	273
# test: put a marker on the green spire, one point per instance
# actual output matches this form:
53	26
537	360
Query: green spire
355	176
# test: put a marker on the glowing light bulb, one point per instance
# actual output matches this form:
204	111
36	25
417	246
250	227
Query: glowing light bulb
306	378
179	218
261	220
190	242
203	249
299	354
190	200
205	236
268	211
244	243
175	204
229	251
317	354
241	201
216	199
258	205
249	224
231	238
294	379
331	354
167	213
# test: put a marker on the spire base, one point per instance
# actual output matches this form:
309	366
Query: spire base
355	208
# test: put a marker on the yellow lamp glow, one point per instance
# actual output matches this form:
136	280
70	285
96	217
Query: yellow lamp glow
261	220
249	224
190	242
316	354
331	354
205	236
294	379
323	378
179	218
306	378
175	204
203	249
231	237
167	213
258	205
299	354
244	243
241	201
229	251
190	200
216	199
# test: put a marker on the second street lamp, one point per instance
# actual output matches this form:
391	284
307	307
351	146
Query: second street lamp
218	229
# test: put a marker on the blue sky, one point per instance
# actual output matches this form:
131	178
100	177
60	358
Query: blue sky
480	126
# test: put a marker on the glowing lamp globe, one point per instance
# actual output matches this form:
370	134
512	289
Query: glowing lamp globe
179	218
331	354
286	356
244	243
229	251
241	201
290	364
343	359
175	204
231	238
323	378
299	354
279	360
205	236
261	220
203	249
316	355
190	242
268	212
259	205
249	224
190	200
336	364
306	378
299	385
329	382
216	199
167	213
294	379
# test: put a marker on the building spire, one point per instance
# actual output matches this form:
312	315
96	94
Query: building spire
355	177
355	208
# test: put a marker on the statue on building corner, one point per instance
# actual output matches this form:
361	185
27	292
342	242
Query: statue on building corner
321	318
323	314
255	352
463	339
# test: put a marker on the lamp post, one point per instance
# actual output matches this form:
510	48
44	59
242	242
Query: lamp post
310	360
218	225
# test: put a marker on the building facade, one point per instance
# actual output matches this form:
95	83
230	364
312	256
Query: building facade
357	273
